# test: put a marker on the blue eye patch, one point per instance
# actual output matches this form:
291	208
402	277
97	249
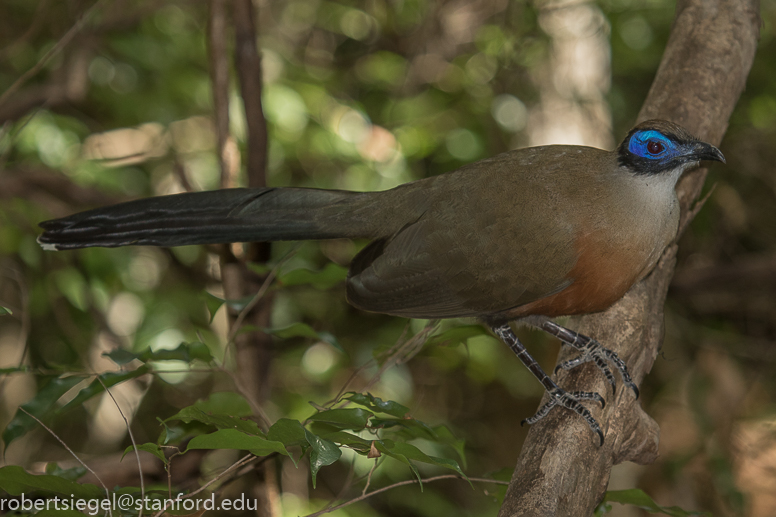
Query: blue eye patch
652	145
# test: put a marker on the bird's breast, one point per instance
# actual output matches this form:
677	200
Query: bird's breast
600	277
611	257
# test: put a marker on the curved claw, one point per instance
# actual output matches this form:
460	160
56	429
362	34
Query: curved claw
571	401
590	351
589	395
635	389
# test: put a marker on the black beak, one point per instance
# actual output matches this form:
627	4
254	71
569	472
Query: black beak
704	151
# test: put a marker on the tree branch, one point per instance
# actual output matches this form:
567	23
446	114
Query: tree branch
562	470
219	75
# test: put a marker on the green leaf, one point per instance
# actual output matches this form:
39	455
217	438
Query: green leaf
171	433
147	447
328	337
413	453
222	410
72	474
445	436
407	453
640	499
456	335
324	452
347	418
193	413
96	387
233	439
413	428
377	404
213	303
410	428
331	275
384	446
287	431
225	403
5	311
186	352
41	406
300	329
120	356
351	440
16	481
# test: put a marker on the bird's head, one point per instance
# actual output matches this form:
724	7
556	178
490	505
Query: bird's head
658	146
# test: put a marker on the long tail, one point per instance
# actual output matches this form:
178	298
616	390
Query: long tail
218	216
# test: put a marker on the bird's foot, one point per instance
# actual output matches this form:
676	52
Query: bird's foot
570	400
558	397
590	351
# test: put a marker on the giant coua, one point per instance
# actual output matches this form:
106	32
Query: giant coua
529	234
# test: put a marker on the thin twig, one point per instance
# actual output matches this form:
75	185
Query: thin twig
180	172
248	468
56	49
254	301
233	332
402	483
346	485
393	353
84	465
219	76
239	463
369	477
134	444
257	297
255	407
402	352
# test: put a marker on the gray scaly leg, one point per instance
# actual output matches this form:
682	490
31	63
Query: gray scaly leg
558	396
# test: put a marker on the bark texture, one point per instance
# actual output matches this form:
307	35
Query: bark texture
561	470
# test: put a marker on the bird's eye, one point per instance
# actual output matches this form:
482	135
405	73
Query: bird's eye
655	147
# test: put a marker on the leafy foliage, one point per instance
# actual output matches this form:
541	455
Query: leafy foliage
642	501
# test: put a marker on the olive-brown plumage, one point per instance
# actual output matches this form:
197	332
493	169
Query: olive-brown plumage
544	231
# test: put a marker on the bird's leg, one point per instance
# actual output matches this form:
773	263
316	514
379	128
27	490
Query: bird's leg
591	351
558	396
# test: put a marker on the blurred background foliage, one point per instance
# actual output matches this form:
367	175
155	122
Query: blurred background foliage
367	95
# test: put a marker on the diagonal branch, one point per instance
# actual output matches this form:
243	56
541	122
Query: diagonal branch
561	471
73	454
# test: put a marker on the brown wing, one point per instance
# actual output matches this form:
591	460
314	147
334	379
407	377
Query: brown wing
472	251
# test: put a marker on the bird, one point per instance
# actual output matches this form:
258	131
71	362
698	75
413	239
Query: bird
528	235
